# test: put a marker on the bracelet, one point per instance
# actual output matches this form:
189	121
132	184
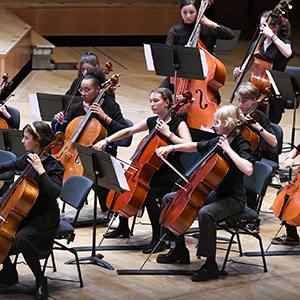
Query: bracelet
171	135
173	149
107	141
261	130
271	37
106	118
289	157
274	38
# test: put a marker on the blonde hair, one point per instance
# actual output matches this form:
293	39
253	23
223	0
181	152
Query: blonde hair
247	90
228	114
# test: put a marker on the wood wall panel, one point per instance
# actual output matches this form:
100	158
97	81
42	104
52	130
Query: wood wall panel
100	20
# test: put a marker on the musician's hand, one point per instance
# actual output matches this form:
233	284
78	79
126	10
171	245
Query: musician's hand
266	30
96	108
36	162
163	128
207	22
224	144
164	151
237	71
59	117
100	145
289	162
4	111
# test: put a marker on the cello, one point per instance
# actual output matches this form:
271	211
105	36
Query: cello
84	130
204	177
201	111
286	205
144	164
16	203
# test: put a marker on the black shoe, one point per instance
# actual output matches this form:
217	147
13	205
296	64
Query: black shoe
160	247
42	289
117	233
8	276
181	255
206	272
285	240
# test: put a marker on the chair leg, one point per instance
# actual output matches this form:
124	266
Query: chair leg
262	252
228	251
239	243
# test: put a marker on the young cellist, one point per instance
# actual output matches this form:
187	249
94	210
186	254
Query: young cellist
34	237
227	199
175	131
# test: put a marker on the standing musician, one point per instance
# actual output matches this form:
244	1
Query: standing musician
291	237
108	113
246	95
34	237
7	117
179	34
175	131
227	199
277	48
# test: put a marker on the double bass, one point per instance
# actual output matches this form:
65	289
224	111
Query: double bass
16	203
84	130
201	111
206	174
144	164
286	205
259	76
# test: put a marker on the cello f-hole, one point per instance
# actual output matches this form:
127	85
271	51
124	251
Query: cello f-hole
201	99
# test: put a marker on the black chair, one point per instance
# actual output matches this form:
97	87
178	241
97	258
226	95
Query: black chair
258	181
125	142
247	222
74	193
289	103
6	177
275	151
15	114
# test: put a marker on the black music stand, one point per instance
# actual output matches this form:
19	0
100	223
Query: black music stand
178	61
98	166
51	104
10	140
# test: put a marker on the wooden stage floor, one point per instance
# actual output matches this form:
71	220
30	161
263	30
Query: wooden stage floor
244	280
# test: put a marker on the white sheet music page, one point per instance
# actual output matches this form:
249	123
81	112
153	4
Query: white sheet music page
35	109
204	63
148	57
119	173
276	90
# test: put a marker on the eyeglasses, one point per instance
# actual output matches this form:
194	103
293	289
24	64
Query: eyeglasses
84	91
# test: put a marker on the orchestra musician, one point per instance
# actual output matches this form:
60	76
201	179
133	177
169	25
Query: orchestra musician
34	237
226	199
277	49
179	34
246	96
175	131
291	236
87	61
108	113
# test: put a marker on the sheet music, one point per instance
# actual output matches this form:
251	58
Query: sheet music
204	63
148	57
35	110
119	173
276	90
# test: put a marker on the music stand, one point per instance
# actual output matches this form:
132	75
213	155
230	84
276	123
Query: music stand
51	104
179	61
10	140
99	167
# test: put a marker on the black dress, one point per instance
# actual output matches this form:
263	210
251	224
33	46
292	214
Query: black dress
35	234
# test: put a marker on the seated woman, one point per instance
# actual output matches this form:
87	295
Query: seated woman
173	130
34	237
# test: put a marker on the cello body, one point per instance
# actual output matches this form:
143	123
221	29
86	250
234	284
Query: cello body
179	215
92	132
138	177
13	211
286	205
